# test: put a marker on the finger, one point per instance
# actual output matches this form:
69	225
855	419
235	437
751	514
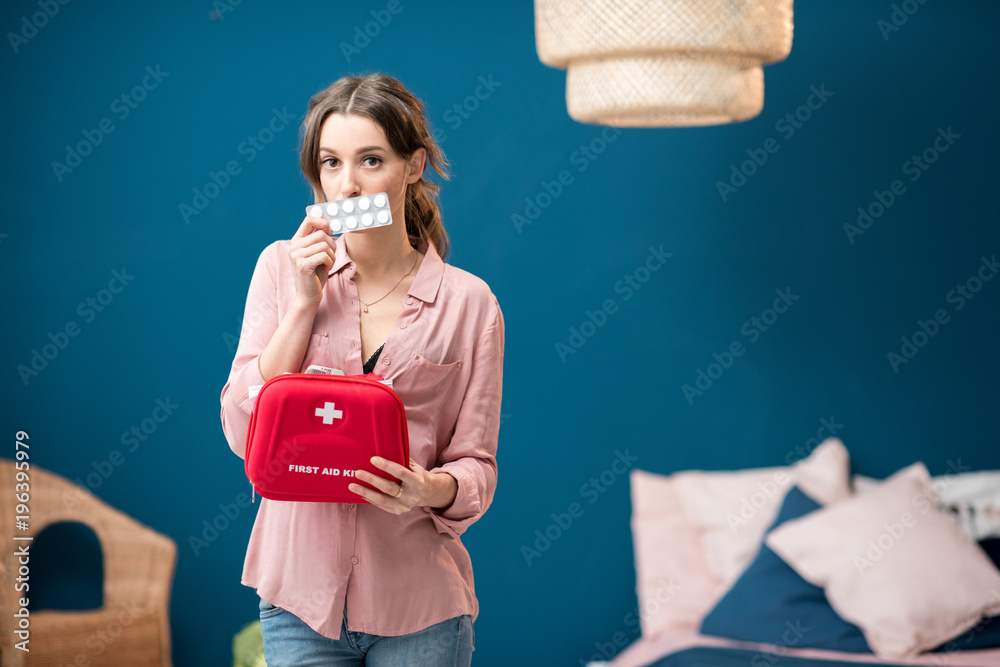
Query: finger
314	247
316	255
315	237
373	497
392	468
316	242
310	224
310	263
378	500
387	486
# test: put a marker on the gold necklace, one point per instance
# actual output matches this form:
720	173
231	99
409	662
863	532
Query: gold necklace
393	287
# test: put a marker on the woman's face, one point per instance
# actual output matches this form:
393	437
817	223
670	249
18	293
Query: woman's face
356	159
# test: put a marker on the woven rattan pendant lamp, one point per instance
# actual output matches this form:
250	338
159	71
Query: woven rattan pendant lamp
663	63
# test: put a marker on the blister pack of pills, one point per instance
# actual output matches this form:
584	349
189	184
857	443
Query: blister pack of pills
354	213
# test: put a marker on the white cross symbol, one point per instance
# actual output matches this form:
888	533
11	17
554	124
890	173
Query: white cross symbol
328	413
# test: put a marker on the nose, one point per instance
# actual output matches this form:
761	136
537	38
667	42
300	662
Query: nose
349	186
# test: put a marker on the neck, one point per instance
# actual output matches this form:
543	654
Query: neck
380	253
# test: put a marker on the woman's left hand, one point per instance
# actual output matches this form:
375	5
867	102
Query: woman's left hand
416	487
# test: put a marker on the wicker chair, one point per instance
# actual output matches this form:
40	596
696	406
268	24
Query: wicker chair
132	628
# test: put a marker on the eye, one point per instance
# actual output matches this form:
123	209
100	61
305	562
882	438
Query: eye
328	162
377	160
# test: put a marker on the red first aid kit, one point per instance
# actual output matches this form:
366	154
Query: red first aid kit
309	433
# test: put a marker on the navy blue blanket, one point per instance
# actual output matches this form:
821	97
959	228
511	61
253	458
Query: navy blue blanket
737	657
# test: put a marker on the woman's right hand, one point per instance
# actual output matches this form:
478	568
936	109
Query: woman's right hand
312	252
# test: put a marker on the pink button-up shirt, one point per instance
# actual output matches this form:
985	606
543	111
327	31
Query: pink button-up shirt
396	574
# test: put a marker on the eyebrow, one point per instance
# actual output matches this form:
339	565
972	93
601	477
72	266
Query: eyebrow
363	149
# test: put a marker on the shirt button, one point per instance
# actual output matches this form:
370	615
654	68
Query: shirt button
403	325
386	362
354	559
409	301
325	335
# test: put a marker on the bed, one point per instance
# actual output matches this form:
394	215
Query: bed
806	565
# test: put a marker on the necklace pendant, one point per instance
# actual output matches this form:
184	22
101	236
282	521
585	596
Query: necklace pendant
366	309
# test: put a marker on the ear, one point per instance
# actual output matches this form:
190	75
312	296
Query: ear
416	165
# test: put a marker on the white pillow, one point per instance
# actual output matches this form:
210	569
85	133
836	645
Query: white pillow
693	535
732	510
972	499
894	564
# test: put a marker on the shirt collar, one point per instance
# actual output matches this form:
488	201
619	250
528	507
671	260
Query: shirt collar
428	279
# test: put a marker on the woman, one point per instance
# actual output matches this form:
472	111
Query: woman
387	582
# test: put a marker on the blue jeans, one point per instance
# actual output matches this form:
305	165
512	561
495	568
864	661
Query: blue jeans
289	642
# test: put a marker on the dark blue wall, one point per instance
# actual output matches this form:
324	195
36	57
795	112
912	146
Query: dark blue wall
168	334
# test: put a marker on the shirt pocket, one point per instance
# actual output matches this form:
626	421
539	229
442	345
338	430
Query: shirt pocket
424	385
317	352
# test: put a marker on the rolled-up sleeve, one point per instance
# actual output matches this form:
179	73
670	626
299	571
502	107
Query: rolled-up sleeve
470	456
260	321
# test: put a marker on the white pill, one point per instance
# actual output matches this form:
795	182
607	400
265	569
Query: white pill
364	204
383	217
351	222
367	219
331	209
316	211
335	225
380	200
348	206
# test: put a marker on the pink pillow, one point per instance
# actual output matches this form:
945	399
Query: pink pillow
694	532
894	564
674	584
732	510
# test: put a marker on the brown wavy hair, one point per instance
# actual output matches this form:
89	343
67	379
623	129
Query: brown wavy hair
388	103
